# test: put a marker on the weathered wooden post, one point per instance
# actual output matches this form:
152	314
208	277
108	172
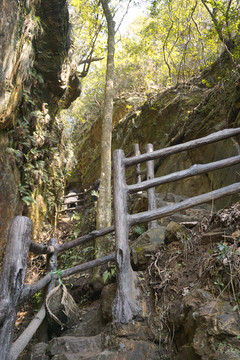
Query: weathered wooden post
138	167
151	192
12	279
38	322
125	305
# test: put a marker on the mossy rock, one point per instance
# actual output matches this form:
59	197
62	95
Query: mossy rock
177	232
145	246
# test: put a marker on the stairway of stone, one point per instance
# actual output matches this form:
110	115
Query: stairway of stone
94	337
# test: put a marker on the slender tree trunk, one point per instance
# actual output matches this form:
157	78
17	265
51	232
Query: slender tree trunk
104	201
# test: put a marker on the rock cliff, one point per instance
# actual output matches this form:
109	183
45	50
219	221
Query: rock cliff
175	115
36	79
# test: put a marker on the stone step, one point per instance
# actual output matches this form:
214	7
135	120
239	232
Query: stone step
81	346
128	349
91	323
90	348
105	355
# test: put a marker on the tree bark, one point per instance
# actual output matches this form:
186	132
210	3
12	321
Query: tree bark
12	279
104	200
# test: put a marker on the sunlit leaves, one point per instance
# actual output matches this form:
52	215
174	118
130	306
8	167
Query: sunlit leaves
174	42
87	20
225	18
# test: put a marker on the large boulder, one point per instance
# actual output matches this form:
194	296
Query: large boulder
9	201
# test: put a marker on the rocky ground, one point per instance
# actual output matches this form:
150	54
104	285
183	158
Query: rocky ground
188	276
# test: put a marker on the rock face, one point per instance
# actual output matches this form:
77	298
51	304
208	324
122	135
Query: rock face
9	20
176	115
36	78
87	169
9	204
209	328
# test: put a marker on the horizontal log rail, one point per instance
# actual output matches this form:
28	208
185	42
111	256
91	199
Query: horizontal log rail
80	201
91	236
41	248
162	153
192	171
46	249
84	200
76	194
30	290
185	204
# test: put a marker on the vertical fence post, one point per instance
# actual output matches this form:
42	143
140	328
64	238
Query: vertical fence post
39	322
12	279
151	192
138	167
51	267
125	304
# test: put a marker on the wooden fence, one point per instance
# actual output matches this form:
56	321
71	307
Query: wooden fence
13	291
125	305
84	199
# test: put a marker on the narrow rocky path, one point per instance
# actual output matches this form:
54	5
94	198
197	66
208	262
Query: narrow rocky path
184	312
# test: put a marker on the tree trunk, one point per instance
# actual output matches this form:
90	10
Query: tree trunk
104	201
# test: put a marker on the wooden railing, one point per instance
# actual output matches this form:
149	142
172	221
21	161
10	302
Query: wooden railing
12	289
125	305
13	292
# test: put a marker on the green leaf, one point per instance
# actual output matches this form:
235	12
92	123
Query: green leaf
105	276
59	275
28	200
139	229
